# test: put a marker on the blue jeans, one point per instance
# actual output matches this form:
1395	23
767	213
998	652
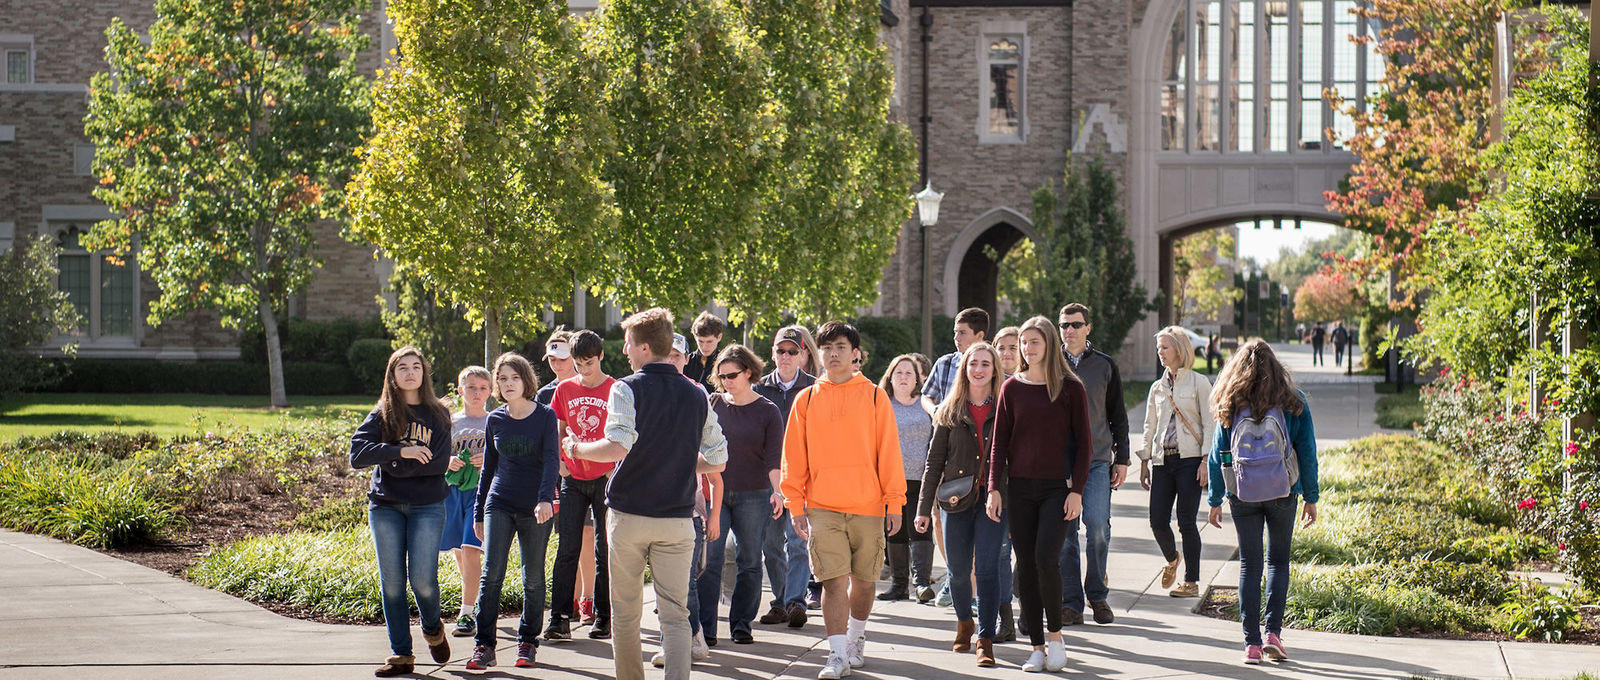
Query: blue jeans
788	562
973	542
746	513
1251	520
499	526
406	540
1087	579
696	566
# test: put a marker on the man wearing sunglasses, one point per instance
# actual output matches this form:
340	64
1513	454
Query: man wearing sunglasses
1108	423
787	559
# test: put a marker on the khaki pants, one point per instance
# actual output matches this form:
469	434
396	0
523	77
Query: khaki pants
668	545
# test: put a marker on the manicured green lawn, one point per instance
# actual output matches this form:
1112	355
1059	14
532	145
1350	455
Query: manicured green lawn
1400	411
164	414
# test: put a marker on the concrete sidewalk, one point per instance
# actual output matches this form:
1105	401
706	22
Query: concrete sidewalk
70	612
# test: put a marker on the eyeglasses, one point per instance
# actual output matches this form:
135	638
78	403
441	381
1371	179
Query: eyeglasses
1074	325
786	352
729	376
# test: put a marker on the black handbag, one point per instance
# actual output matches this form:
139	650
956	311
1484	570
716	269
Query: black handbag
959	494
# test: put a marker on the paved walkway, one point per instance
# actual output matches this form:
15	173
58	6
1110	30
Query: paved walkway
69	612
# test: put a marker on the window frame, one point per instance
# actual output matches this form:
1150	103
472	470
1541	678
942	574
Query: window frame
13	43
92	333
990	32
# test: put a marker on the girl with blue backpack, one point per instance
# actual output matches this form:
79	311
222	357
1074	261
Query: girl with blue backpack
1264	453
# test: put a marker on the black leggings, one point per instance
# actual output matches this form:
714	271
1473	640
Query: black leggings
1174	481
1038	530
908	517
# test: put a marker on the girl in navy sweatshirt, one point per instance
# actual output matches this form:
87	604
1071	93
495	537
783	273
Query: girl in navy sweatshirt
514	500
407	439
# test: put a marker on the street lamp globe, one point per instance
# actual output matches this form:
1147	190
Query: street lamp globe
928	204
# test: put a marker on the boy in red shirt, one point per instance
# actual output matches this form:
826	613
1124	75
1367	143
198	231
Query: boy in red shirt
581	407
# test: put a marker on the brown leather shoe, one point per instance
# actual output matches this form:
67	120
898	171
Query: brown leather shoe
396	665
438	645
985	653
964	631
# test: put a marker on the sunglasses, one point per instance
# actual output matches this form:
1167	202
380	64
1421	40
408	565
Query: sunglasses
1074	325
786	352
729	376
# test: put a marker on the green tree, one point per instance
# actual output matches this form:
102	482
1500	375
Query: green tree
420	318
35	311
219	143
1200	285
482	178
1083	255
842	172
685	87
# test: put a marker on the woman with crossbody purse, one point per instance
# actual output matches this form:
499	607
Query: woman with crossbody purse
958	462
1175	416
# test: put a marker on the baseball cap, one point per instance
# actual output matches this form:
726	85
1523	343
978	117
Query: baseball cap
789	335
558	349
678	343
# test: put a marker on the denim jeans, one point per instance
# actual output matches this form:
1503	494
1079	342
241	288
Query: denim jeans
579	498
1038	526
746	513
1251	520
499	527
973	543
1175	481
406	540
697	563
788	562
1087	579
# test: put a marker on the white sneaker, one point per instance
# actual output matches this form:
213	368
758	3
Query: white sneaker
835	668
1035	662
856	653
1055	658
659	660
698	649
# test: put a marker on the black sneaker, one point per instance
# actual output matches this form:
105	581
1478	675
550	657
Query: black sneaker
601	630
773	616
559	629
742	637
1102	612
465	627
711	640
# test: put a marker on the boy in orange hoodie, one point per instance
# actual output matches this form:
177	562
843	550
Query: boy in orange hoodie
844	484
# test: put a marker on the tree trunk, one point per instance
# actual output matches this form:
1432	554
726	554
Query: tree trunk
269	323
491	335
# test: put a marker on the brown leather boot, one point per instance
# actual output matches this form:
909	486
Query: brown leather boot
985	653
964	631
396	665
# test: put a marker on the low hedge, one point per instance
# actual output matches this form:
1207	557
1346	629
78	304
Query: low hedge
205	377
85	499
315	341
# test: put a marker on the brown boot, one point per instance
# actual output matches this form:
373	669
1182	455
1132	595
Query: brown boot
985	653
396	665
964	631
438	645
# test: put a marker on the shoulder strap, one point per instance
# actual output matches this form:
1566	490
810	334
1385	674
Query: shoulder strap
1186	424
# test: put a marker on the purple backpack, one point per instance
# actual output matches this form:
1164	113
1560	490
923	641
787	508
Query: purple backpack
1264	465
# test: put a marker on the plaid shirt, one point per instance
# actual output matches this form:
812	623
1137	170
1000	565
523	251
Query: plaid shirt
942	378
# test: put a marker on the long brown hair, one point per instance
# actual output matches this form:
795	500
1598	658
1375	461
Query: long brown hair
1254	379
916	369
1056	368
392	402
524	370
955	404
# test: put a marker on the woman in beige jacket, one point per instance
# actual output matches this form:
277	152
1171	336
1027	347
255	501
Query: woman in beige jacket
1176	422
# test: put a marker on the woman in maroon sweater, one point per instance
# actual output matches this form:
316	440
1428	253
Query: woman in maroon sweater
1041	453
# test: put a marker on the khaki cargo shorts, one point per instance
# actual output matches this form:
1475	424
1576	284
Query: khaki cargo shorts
843	543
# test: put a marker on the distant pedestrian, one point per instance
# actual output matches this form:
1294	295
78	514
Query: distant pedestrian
1213	353
1263	459
1341	337
1177	420
1319	337
407	438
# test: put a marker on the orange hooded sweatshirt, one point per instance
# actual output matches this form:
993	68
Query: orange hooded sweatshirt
841	450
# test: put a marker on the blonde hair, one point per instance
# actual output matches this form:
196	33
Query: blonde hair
1179	337
949	413
1254	379
916	368
473	372
1056	368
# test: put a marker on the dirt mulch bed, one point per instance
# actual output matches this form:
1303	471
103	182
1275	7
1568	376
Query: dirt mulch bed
1222	603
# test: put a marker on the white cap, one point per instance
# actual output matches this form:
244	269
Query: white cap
558	349
680	344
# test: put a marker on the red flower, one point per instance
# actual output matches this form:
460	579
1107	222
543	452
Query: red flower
1572	448
1444	371
1469	432
1499	416
1562	546
1556	403
1583	505
1528	503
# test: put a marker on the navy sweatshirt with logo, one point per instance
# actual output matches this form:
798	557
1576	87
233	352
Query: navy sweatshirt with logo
403	481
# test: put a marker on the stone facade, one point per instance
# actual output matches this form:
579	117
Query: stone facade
45	186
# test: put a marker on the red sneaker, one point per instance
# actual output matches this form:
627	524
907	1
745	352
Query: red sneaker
586	609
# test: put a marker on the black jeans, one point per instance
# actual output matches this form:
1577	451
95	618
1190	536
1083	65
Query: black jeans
908	516
578	498
1275	519
1173	481
1038	530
